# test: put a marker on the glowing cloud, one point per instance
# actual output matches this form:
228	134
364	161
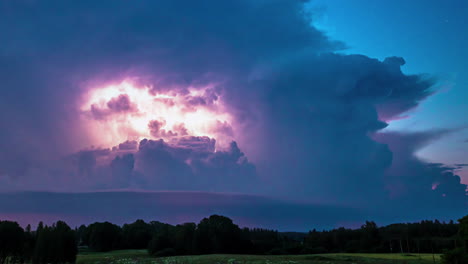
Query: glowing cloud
124	111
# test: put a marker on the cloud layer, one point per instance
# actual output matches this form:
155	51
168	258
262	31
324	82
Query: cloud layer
173	207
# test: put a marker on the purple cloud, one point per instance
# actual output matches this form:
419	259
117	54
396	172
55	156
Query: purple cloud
116	105
411	179
120	104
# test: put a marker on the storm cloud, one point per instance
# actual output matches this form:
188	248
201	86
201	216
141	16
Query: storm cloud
308	118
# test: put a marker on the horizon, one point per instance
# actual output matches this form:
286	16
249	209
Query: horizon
251	211
353	226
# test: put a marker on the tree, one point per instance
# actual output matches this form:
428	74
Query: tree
29	242
455	256
262	240
55	244
463	231
459	255
136	235
11	241
80	233
41	248
183	238
161	242
370	237
65	243
218	234
103	236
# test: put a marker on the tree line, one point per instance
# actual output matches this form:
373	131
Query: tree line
59	243
422	237
48	244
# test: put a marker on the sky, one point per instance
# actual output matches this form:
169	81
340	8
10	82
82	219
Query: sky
290	115
432	42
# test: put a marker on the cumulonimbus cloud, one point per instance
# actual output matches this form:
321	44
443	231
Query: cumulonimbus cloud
303	113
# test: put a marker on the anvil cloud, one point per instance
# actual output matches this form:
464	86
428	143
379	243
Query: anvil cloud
278	108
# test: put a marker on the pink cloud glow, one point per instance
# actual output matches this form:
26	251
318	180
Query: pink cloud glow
126	112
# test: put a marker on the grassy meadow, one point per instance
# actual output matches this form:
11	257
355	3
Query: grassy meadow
141	256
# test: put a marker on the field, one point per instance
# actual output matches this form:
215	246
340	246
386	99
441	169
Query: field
141	256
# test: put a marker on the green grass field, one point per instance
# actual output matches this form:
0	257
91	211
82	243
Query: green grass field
141	256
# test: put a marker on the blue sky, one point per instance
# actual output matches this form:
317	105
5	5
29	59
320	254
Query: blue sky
432	37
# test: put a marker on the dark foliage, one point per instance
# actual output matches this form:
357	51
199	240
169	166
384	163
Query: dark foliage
459	255
463	232
103	236
423	237
11	241
136	235
455	256
218	234
55	244
160	241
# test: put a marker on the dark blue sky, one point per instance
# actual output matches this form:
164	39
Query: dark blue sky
299	108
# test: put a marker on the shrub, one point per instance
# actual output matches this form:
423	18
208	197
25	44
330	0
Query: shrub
455	256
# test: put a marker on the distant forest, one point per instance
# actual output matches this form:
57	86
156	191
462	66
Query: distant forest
59	243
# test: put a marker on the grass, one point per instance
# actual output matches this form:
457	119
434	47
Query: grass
141	256
114	257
